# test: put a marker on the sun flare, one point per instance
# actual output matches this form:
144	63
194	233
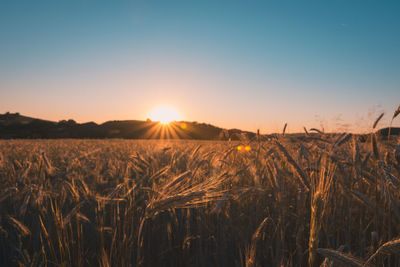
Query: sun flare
164	114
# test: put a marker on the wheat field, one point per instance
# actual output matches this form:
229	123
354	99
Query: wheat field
287	200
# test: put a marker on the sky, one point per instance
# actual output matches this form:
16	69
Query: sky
235	64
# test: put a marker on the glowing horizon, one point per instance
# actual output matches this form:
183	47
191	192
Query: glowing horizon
164	114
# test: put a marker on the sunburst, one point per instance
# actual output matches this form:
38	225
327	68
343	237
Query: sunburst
164	114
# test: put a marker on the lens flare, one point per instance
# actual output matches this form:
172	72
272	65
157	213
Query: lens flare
164	114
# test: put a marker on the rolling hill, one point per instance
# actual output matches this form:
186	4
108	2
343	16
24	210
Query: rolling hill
14	125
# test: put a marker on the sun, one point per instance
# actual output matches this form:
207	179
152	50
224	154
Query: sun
164	114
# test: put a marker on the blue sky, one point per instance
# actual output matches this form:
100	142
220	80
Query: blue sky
244	64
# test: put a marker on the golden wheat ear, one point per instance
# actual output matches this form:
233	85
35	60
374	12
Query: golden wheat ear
395	114
284	129
250	261
341	258
374	146
377	120
388	248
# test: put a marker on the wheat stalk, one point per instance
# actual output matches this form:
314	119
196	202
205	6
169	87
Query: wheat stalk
319	199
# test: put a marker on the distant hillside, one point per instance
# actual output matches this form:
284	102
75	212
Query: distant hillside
385	131
14	125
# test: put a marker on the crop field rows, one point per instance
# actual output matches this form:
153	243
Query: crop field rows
318	200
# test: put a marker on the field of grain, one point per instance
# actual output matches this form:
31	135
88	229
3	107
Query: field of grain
307	200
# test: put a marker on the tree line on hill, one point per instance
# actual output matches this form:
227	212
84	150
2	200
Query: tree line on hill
14	125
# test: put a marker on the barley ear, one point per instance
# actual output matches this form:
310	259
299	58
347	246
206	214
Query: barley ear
256	236
340	257
395	114
389	248
284	129
377	120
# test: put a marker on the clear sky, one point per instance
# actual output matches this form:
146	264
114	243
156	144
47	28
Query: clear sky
247	64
